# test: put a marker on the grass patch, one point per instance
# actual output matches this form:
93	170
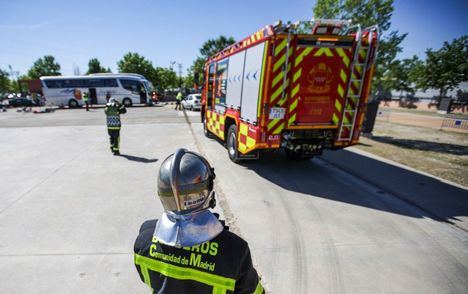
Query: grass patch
427	112
440	153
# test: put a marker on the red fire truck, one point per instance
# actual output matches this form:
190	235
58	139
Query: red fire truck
301	86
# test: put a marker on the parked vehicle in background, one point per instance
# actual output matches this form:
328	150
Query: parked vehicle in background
20	102
128	89
192	102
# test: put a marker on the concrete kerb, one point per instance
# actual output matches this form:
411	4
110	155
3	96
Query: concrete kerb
400	165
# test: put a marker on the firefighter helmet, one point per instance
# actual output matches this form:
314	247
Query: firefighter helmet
185	188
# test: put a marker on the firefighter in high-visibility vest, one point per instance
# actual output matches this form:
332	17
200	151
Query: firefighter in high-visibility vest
179	98
188	250
86	100
113	110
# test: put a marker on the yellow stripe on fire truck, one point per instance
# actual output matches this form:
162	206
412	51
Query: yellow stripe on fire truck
280	81
215	123
246	139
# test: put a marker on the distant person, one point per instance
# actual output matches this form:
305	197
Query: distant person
86	100
5	104
188	250
154	97
113	110
143	98
179	98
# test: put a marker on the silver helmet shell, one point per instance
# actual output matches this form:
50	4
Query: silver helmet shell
185	188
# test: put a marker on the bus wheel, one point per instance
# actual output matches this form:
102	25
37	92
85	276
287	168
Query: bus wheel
231	144
207	133
127	102
73	103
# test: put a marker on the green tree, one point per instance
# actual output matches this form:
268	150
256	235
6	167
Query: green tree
5	84
447	67
45	66
403	75
368	13
189	79
94	66
135	63
327	9
209	48
166	78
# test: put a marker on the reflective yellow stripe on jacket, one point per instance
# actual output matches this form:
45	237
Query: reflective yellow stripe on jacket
220	284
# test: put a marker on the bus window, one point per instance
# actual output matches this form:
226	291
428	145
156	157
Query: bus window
131	85
72	83
54	84
110	83
209	86
95	83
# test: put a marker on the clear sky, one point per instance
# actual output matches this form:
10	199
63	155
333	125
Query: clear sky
165	31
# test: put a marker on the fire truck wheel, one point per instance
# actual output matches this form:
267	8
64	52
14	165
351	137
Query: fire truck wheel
231	144
207	133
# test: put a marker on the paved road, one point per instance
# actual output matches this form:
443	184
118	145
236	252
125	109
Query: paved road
70	211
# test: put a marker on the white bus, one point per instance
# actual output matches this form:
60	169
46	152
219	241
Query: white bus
126	88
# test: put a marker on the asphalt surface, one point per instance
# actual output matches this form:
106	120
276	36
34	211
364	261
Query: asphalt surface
70	211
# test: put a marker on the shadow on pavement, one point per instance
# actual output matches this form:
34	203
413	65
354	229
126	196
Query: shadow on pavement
434	198
423	145
138	159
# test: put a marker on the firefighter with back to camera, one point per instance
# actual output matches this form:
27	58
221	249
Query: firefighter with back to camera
113	110
189	250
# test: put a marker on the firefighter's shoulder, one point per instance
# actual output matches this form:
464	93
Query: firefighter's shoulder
145	234
232	240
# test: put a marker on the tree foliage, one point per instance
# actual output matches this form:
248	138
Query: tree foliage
209	48
327	9
161	78
368	13
447	67
45	66
135	63
166	78
94	66
5	84
403	75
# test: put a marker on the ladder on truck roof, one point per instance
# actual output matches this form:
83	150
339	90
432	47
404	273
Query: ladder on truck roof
353	99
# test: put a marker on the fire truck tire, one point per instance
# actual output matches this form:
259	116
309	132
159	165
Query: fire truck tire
231	144
207	133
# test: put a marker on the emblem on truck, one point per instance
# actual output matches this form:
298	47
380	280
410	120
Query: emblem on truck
320	78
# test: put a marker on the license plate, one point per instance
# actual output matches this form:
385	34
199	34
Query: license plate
277	112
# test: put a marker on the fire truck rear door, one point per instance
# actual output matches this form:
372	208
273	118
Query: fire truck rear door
319	80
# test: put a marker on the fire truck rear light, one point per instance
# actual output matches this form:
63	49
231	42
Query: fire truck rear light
328	39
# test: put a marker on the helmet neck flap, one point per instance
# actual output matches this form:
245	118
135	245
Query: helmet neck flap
181	230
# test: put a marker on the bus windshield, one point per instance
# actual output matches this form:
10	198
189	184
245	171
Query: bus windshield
148	86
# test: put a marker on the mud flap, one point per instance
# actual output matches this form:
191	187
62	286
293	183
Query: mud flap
253	155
